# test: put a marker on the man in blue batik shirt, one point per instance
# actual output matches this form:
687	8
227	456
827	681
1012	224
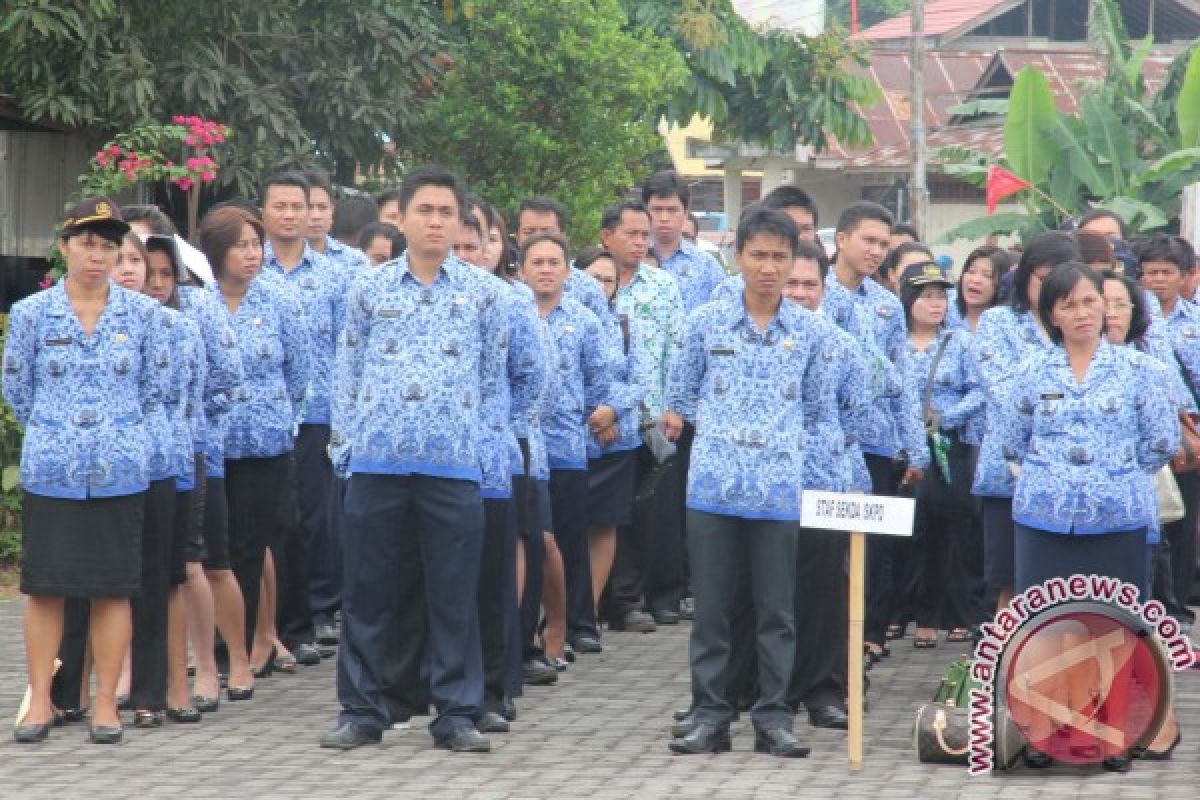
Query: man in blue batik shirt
895	449
420	364
667	197
316	287
744	369
320	223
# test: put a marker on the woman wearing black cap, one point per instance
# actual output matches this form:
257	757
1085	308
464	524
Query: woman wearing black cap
83	365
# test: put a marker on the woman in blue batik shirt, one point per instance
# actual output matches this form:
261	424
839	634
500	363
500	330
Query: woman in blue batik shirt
612	447
1005	336
83	366
259	433
939	365
1087	426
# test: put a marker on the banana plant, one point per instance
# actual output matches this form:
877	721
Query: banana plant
1125	149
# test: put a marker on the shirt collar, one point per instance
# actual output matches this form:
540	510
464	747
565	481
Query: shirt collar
307	259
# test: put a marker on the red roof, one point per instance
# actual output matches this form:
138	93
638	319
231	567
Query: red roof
953	77
941	17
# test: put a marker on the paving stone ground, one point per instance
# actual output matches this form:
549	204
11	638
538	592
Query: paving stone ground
600	734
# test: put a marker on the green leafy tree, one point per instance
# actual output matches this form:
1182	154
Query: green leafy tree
772	87
869	11
297	80
1125	150
551	98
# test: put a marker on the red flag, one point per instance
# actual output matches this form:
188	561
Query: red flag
1000	184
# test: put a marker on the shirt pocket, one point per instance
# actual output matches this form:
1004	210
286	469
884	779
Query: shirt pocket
721	373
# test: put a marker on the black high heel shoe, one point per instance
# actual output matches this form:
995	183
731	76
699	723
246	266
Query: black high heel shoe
206	705
235	694
1161	755
266	669
1118	764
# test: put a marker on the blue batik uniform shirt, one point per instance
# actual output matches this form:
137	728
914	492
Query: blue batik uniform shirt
1003	340
416	367
744	391
319	287
1086	451
223	374
83	399
624	396
579	382
344	256
696	272
875	318
273	341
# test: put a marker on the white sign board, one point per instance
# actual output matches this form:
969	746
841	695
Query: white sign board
862	513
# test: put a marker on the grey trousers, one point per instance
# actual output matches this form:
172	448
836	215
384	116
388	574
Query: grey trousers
717	544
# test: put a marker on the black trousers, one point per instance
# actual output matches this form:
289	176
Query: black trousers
531	533
412	542
887	573
303	518
320	506
569	510
148	652
945	593
253	487
822	613
648	570
717	544
1181	539
497	596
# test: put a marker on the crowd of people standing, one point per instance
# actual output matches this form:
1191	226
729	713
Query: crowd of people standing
385	429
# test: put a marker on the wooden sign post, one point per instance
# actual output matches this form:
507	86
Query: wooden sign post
856	514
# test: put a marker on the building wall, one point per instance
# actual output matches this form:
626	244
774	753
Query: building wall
38	174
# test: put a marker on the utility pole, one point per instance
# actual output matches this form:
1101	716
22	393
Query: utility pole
918	189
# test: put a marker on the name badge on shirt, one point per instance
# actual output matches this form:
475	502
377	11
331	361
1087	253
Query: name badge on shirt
1053	396
721	351
121	338
389	313
59	342
884	312
1191	333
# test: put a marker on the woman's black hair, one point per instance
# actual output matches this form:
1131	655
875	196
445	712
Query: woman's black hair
896	253
585	259
385	230
166	245
989	252
1059	284
1139	320
1044	250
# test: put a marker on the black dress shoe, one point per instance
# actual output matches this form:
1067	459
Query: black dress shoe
236	694
682	727
147	719
634	622
666	617
704	738
779	742
508	709
681	714
326	650
587	644
537	672
68	715
31	734
348	736
465	740
106	734
307	655
559	664
207	705
327	634
830	716
491	722
184	716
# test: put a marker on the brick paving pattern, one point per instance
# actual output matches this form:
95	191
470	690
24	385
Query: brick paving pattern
600	734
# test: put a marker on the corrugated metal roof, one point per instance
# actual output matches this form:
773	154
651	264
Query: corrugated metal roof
954	77
941	17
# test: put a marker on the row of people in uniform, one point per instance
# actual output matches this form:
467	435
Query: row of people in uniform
376	375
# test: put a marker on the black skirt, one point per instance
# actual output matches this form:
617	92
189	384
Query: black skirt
82	548
610	489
